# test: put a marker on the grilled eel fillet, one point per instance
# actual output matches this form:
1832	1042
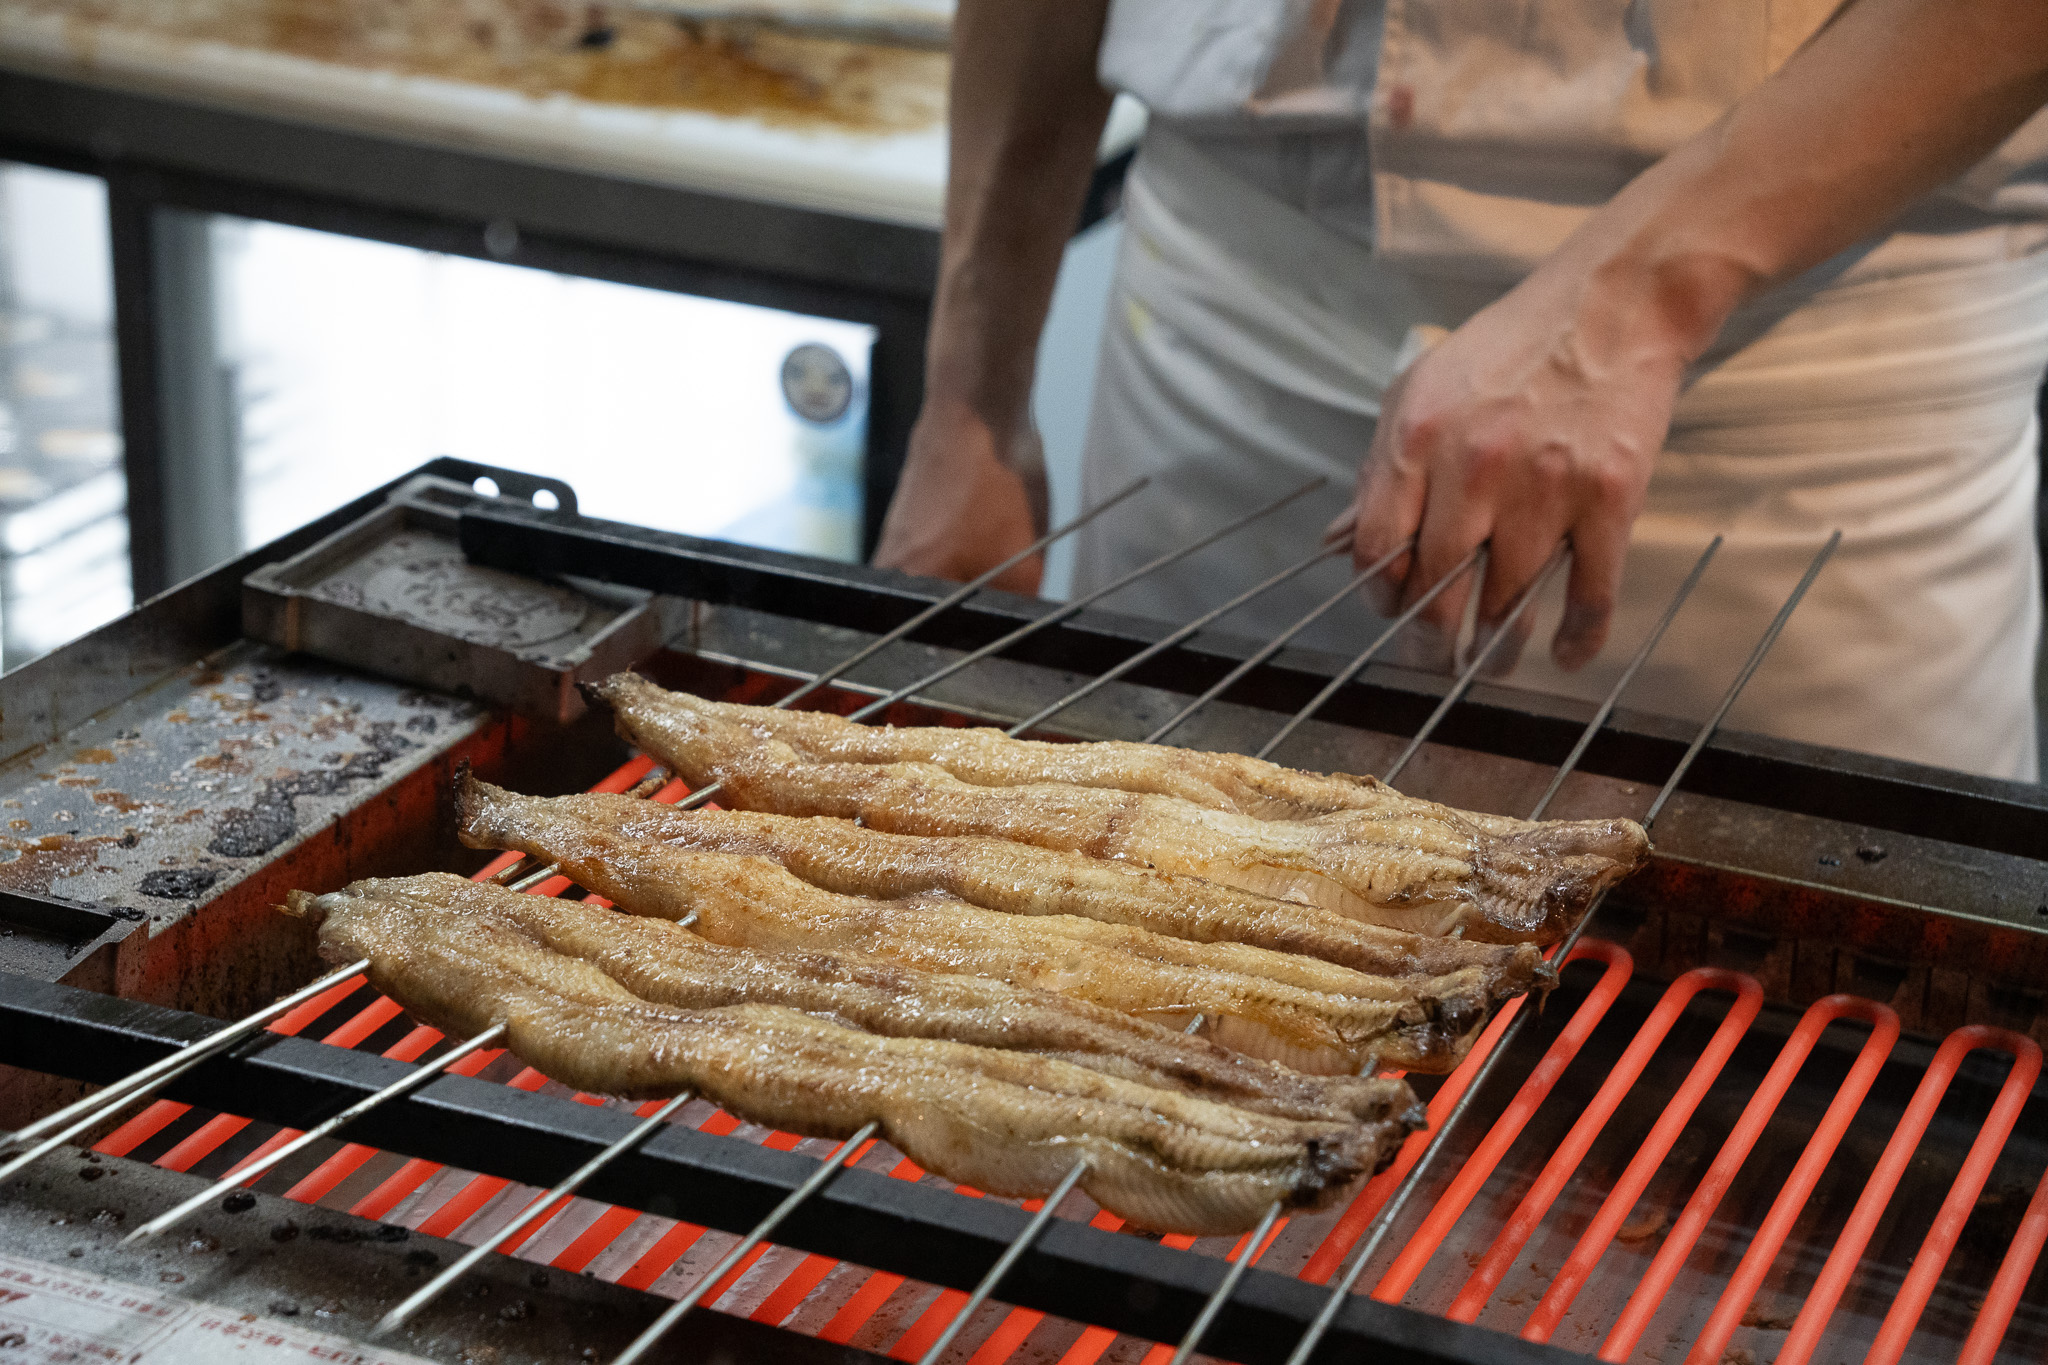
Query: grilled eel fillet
986	757
1309	1015
1011	1122
668	965
1394	861
1022	879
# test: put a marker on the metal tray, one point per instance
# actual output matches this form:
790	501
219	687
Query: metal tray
392	594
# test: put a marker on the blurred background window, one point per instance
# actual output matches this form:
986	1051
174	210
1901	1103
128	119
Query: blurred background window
342	363
63	526
352	361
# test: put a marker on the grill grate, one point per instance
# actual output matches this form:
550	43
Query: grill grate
1573	1073
1623	1094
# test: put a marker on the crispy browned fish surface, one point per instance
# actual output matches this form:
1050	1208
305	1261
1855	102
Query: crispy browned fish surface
1306	1014
667	964
1022	879
987	757
1394	861
1010	1122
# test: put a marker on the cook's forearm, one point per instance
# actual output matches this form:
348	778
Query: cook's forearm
1027	114
1893	99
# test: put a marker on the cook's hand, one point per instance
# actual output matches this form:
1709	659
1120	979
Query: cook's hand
1536	422
969	498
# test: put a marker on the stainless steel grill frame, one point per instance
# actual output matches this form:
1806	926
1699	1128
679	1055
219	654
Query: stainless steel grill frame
1946	922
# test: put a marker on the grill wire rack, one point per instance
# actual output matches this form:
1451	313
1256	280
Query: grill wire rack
1616	1063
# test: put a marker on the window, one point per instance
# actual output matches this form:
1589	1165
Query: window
353	361
63	495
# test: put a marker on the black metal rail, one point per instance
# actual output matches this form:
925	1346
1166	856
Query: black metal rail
909	1229
1973	812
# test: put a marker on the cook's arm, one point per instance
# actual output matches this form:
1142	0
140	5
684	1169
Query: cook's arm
1538	420
1027	113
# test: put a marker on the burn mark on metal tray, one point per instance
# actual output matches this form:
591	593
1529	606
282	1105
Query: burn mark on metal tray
350	1236
253	830
178	884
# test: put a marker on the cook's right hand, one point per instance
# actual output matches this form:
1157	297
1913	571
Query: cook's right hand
969	498
1535	424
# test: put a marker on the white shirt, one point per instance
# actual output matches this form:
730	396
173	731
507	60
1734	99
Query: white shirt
1470	137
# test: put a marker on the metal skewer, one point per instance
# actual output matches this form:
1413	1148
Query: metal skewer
1471	673
527	879
545	1205
1031	1233
706	792
75	1118
245	1174
1074	607
1364	656
1223	1291
1274	645
1017	1248
827	1168
1152	651
1628	675
959	595
1749	668
1388	1216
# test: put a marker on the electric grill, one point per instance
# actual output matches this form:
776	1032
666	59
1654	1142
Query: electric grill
1783	1104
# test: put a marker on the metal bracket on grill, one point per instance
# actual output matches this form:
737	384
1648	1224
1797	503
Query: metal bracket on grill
392	593
52	939
909	1229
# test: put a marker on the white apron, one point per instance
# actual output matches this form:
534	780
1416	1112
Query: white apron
1248	345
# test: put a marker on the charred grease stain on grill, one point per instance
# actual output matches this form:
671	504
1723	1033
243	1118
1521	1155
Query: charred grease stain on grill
178	884
174	779
349	1235
253	830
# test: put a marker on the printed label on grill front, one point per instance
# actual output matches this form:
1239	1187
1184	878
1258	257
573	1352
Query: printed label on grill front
54	1315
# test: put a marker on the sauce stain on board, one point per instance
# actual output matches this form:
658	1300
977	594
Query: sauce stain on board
602	54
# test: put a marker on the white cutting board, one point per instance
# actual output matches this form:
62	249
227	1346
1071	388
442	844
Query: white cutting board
893	177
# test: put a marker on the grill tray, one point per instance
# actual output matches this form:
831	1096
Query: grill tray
1757	871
